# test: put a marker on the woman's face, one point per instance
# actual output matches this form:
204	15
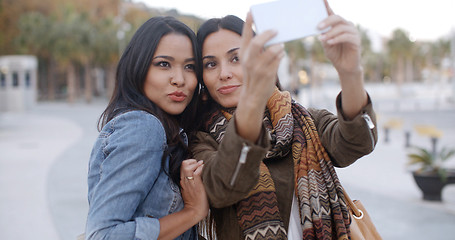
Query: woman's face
222	72
171	78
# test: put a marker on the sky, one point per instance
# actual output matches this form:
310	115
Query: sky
423	20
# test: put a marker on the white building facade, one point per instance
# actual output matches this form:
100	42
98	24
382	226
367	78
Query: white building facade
18	82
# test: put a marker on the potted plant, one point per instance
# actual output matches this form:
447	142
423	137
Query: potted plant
431	175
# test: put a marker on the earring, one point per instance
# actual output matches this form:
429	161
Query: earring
203	92
200	88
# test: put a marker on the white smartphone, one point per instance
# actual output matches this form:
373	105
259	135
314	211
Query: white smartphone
293	19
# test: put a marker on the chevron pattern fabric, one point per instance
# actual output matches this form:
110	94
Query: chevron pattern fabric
322	205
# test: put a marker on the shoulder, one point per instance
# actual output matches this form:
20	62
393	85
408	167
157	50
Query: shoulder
315	113
138	126
319	114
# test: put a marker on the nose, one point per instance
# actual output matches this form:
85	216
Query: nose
225	72
177	78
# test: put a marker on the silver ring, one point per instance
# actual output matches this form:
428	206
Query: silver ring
190	178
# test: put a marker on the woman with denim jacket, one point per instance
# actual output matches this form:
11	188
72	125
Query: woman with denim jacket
269	162
139	185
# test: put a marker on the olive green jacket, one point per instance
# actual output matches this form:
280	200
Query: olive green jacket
345	141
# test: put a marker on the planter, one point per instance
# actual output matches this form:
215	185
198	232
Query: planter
431	185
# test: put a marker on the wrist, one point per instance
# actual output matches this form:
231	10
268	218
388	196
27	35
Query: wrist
352	74
252	101
193	215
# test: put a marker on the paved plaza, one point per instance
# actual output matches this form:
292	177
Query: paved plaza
44	155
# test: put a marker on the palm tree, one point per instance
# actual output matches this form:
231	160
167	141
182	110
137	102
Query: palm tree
105	50
441	51
400	51
72	37
296	51
36	37
431	161
372	62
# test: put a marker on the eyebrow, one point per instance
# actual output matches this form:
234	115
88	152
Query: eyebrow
172	58
165	57
233	50
228	52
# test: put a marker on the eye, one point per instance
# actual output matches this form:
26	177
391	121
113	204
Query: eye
235	59
191	67
210	64
163	64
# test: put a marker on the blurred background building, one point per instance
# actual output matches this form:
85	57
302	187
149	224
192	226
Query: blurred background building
18	81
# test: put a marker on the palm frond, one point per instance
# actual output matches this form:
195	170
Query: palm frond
443	175
422	156
446	154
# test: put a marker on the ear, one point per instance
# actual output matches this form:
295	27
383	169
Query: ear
204	96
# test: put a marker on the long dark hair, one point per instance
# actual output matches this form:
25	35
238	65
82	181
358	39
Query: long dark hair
129	91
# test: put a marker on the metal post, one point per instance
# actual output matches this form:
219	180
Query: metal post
434	142
386	133
407	137
452	47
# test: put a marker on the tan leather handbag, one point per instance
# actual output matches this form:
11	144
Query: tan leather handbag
362	227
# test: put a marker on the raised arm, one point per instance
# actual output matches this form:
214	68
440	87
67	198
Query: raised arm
342	45
260	66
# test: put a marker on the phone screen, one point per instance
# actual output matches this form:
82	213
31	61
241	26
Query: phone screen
293	19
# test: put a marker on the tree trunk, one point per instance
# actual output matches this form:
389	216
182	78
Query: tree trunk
78	81
400	73
88	82
409	70
293	84
51	81
378	71
110	80
71	83
313	80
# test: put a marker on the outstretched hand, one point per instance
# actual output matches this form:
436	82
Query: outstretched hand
342	46
260	64
342	42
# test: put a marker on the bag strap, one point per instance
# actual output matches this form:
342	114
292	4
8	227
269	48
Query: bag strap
356	212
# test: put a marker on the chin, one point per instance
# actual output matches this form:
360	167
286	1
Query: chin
229	104
228	101
174	111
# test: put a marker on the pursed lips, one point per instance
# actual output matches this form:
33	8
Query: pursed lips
177	96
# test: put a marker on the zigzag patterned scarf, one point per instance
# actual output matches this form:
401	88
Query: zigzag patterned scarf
322	205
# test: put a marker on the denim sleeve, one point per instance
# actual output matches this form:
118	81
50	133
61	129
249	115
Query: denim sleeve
132	162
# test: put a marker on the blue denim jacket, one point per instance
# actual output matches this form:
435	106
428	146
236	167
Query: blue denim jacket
128	191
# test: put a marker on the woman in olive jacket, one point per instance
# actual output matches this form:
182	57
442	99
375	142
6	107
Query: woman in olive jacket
270	174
